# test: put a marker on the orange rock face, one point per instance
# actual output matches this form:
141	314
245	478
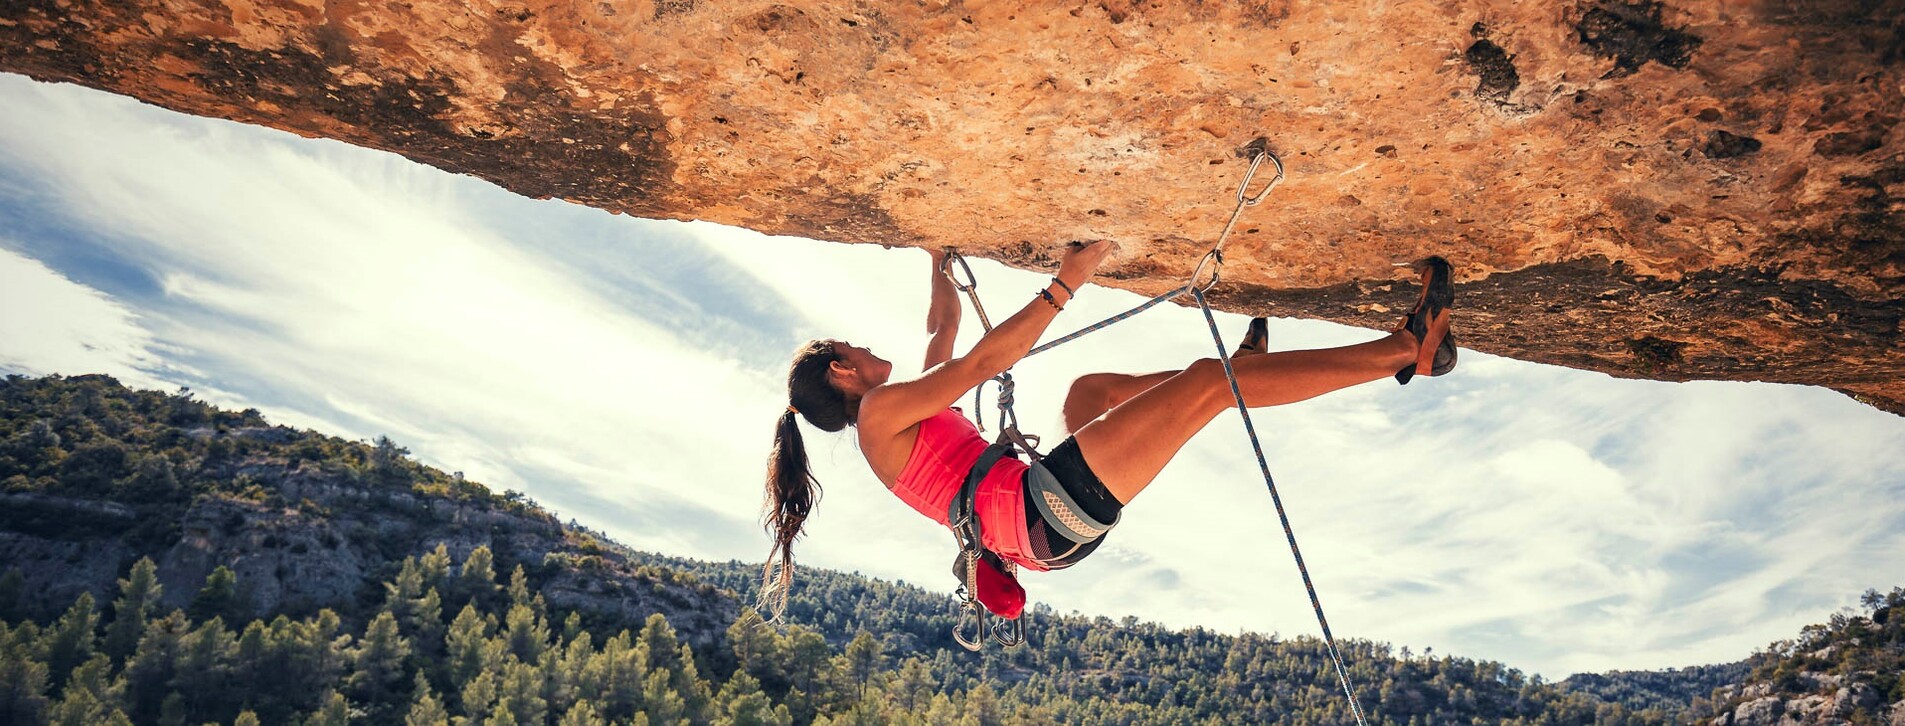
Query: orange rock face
1700	189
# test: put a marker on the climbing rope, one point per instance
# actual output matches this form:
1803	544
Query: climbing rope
1329	641
1213	261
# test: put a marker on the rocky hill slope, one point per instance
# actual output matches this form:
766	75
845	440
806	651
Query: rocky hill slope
94	477
1844	671
1667	189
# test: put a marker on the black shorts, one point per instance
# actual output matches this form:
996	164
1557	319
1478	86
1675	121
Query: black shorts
1051	548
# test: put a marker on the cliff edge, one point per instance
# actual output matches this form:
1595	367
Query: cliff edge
1687	190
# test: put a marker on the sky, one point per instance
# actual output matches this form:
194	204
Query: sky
627	374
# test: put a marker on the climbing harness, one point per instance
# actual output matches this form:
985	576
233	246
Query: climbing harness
971	626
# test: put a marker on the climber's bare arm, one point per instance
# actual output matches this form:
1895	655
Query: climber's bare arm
942	318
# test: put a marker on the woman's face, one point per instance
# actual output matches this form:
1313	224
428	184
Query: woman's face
861	362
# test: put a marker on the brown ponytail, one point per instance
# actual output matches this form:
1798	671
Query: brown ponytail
792	489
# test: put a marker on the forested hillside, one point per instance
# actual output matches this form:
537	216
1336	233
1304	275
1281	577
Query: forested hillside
1844	671
164	562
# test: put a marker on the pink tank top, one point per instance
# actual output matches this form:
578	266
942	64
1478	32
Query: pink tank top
947	447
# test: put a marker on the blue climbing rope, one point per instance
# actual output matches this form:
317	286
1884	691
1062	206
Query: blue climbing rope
1107	322
1329	641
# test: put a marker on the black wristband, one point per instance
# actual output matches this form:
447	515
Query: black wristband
1049	300
1068	288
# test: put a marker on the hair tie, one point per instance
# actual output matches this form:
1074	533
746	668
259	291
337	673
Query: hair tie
791	409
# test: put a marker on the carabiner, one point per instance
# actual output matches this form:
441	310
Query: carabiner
1255	161
972	619
1009	633
1213	258
945	267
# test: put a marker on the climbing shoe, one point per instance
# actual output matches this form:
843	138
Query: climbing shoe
1429	322
1256	339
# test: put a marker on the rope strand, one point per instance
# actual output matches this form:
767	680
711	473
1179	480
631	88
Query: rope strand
1329	641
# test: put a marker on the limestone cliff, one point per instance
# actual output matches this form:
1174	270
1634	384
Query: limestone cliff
1670	190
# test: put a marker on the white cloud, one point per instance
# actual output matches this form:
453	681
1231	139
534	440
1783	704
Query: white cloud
626	373
55	325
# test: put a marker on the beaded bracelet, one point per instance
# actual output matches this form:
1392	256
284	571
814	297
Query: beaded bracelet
1049	300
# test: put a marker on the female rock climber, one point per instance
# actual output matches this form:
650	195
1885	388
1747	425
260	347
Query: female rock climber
1124	428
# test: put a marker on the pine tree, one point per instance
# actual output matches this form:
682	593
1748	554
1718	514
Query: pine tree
387	464
697	696
468	649
916	686
137	594
526	634
558	679
292	665
743	704
658	638
91	697
864	657
426	627
805	655
582	714
252	658
70	641
501	715
172	711
754	651
659	699
572	626
477	579
378	662
23	678
982	706
425	709
618	673
150	671
521	688
320	639
519	587
336	712
220	598
436	567
402	593
478	696
203	672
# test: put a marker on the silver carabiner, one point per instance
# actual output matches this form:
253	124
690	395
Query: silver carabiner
974	617
1213	258
972	282
1248	200
1009	633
